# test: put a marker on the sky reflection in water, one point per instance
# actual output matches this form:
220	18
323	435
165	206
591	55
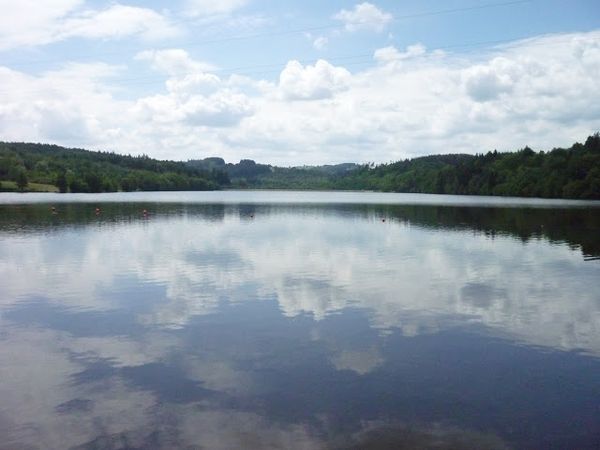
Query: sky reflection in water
298	326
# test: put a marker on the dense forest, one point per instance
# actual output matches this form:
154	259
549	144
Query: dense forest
50	167
249	174
560	173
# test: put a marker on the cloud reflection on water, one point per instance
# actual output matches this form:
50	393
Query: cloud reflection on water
128	332
418	280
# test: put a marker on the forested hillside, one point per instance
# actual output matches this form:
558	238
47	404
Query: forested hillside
248	173
77	170
560	173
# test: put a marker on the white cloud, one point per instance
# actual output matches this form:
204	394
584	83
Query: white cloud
117	21
391	53
541	92
174	62
204	8
195	97
32	23
28	22
72	105
199	83
221	109
364	16
487	82
298	82
320	42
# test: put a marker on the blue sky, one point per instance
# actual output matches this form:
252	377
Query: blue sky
300	82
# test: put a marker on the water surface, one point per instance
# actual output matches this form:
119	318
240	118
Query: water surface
298	320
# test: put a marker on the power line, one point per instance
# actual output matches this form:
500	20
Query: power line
396	18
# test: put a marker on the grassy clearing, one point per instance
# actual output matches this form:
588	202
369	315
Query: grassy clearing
31	187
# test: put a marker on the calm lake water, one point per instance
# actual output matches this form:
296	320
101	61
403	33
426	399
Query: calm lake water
295	320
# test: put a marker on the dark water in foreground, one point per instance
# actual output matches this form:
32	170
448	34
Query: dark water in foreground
290	320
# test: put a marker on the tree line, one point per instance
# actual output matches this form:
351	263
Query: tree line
78	170
572	172
560	173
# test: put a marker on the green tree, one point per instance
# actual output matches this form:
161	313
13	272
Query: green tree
61	182
22	181
77	184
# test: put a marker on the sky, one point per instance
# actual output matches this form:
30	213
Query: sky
293	83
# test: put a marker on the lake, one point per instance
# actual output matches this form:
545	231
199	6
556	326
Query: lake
298	320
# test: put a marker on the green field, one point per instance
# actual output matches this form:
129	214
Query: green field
11	186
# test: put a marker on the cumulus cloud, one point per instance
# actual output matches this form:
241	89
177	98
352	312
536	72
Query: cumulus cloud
541	92
202	82
195	97
223	108
174	62
71	105
364	16
487	82
391	53
220	109
298	82
31	23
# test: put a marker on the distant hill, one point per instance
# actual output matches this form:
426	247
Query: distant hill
248	173
561	173
78	170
